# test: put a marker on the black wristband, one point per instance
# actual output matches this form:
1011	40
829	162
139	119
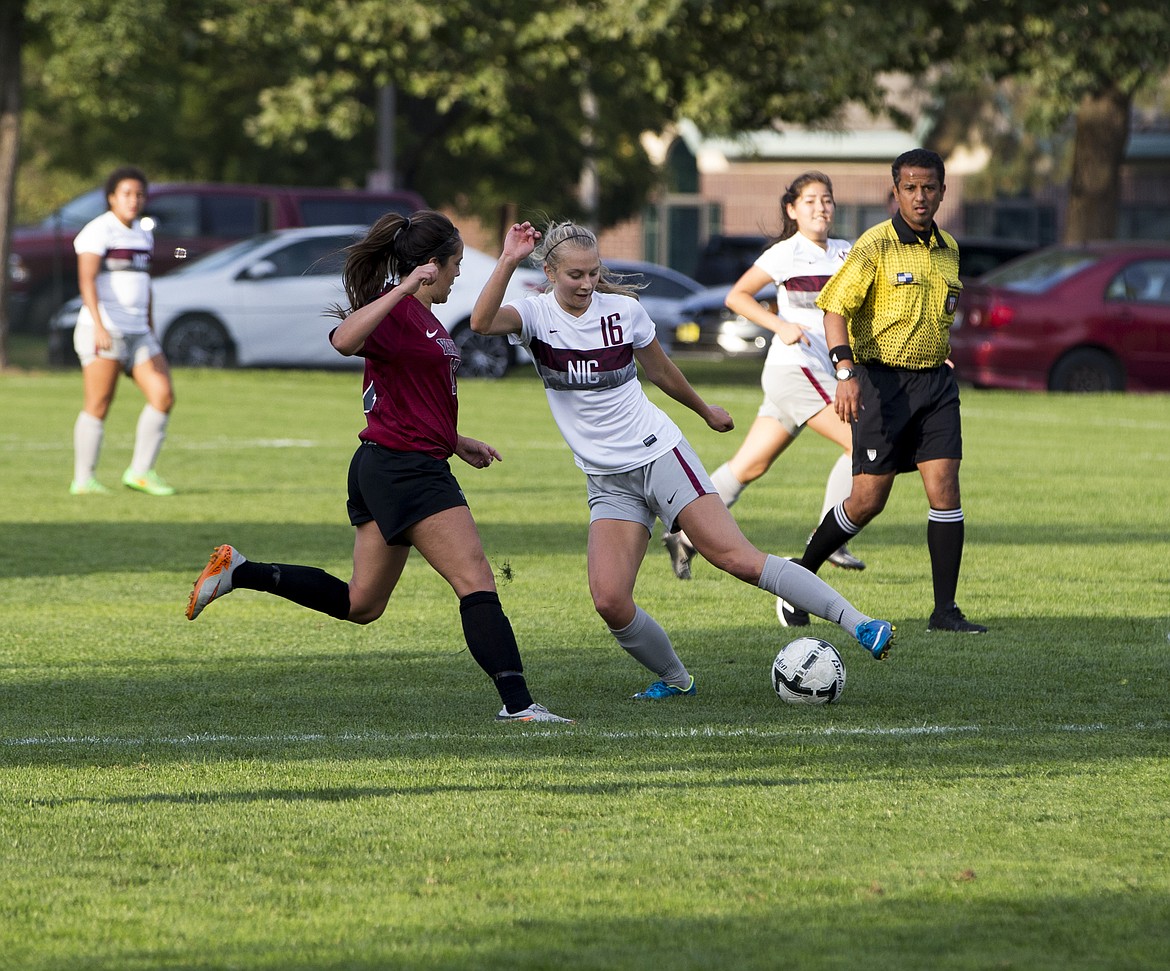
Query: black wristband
840	353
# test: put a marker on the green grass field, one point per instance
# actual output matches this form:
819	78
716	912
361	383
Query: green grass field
267	788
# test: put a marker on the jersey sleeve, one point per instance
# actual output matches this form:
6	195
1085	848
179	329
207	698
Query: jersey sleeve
776	261
644	330
529	315
91	239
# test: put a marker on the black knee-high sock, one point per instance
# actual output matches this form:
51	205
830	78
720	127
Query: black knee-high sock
944	540
308	586
492	643
835	530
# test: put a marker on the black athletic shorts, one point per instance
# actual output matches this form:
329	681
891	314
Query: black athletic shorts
398	489
907	417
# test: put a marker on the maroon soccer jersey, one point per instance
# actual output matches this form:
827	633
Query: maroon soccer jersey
409	392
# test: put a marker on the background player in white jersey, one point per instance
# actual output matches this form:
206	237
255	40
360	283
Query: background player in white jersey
798	379
585	334
115	333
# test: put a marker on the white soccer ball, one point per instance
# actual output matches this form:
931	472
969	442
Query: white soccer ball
808	671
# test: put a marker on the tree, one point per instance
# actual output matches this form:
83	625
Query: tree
11	37
1086	61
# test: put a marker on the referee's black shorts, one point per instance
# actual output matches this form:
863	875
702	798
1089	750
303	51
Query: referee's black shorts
907	417
398	489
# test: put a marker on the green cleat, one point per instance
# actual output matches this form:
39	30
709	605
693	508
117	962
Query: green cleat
149	482
91	487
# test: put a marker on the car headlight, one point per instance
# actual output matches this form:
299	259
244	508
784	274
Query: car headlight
17	272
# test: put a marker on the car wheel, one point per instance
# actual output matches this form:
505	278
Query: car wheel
41	307
1087	369
483	355
60	348
199	340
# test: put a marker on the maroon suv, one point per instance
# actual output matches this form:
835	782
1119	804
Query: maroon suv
190	218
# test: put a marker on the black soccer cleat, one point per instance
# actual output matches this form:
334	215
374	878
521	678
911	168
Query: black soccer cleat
952	619
790	616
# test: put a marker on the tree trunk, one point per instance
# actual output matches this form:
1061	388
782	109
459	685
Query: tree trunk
11	32
1098	151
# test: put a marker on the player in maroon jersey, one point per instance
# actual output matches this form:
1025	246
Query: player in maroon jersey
402	492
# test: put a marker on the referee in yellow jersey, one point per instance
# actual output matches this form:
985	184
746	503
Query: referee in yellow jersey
888	313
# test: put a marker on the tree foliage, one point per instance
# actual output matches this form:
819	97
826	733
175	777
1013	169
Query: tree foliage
494	96
1082	63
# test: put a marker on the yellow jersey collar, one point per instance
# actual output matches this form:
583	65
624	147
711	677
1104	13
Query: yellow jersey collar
908	236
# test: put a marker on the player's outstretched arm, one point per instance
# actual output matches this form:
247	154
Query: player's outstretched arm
663	372
488	317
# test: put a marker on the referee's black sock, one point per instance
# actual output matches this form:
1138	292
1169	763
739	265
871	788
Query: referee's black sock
944	538
308	586
492	643
835	530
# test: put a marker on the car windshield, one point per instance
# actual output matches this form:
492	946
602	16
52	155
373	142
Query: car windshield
221	257
77	212
1039	272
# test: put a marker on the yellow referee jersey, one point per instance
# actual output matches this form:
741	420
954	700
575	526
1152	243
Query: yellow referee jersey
898	294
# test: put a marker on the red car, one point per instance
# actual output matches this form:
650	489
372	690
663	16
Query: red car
1094	317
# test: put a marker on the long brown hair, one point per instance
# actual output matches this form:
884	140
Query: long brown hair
390	251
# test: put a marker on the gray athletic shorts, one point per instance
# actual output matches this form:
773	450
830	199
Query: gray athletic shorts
659	490
129	350
793	395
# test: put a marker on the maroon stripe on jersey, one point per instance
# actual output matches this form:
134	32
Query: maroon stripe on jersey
694	479
806	284
559	358
127	259
812	379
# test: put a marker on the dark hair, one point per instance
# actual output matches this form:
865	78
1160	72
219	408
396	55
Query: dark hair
919	158
559	237
391	250
121	174
788	225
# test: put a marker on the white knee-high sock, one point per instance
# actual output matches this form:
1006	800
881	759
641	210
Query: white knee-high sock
646	642
728	485
148	440
839	484
809	592
88	433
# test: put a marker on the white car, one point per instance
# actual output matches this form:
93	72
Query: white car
263	302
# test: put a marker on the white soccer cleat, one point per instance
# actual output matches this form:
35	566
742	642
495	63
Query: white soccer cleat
533	713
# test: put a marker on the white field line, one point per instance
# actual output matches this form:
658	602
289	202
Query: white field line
295	738
204	445
12	444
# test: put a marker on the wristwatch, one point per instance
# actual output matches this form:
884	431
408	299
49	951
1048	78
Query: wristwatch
844	373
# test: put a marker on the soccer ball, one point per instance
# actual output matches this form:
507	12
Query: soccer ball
808	671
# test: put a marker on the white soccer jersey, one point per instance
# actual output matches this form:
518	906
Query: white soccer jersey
123	280
591	380
800	269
